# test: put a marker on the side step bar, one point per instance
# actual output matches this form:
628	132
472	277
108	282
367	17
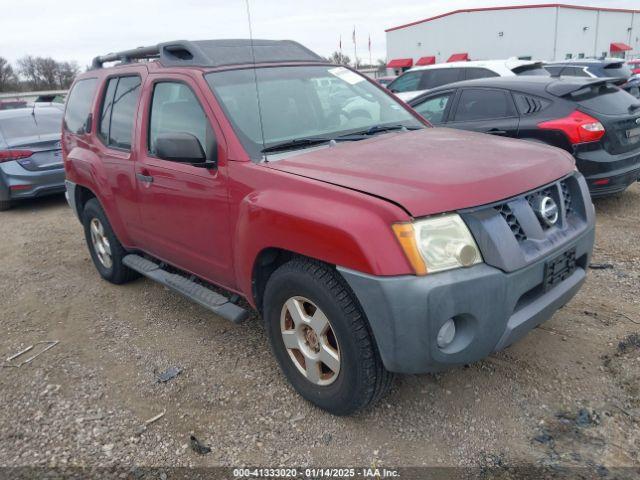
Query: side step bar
218	304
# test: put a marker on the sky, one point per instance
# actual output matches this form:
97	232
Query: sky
81	29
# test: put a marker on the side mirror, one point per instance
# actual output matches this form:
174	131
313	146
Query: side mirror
180	147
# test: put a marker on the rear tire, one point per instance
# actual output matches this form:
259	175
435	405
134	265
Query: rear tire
354	376
105	249
5	205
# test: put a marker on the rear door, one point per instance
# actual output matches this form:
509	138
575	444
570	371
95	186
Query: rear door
485	110
183	208
117	117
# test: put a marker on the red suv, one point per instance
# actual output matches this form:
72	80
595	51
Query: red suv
369	242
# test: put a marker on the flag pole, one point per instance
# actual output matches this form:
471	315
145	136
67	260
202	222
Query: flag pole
355	49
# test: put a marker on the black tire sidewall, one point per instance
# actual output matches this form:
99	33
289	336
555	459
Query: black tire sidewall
93	210
338	397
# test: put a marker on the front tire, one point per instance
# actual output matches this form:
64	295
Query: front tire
321	339
105	249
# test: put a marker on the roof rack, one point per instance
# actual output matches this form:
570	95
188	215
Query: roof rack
215	53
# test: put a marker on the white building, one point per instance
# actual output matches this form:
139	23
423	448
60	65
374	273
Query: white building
544	32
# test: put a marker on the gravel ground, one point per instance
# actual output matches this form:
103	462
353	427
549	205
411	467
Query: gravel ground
566	395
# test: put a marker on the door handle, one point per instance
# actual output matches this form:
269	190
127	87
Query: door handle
144	178
495	131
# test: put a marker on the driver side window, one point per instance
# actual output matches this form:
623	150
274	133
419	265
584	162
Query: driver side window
175	109
433	108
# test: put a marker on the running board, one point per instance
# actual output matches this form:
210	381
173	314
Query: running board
218	304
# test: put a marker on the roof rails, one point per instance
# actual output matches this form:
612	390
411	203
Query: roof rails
215	53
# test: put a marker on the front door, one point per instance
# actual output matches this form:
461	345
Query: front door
183	208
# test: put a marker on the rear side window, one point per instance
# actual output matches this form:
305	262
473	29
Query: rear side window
530	104
574	72
175	108
79	105
475	72
482	104
553	70
617	70
406	83
118	111
440	76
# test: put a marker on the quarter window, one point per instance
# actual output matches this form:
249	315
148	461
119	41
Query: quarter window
474	72
408	82
175	108
79	105
118	111
481	104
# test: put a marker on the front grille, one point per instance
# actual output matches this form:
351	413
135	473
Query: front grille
547	192
516	232
520	213
512	221
566	196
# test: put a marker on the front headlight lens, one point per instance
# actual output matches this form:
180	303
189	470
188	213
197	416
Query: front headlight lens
440	243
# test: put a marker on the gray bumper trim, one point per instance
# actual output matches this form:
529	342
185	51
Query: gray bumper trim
492	309
70	195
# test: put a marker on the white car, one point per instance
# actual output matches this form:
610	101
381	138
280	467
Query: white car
420	79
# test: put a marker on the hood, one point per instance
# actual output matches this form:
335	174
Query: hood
433	170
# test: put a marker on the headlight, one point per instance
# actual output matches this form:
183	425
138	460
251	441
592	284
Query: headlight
438	243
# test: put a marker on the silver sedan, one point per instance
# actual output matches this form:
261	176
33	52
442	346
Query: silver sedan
30	155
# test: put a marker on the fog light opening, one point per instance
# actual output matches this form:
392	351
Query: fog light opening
446	334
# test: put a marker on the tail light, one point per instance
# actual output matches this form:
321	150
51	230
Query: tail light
9	155
578	127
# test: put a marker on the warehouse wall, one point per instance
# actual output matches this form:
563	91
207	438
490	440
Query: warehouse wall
525	32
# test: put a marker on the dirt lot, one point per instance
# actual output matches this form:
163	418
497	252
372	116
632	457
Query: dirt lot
567	395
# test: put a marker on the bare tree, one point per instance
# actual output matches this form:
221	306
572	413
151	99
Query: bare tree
8	78
47	69
45	73
28	68
339	58
66	73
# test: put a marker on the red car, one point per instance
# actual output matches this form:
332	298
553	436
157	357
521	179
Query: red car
370	243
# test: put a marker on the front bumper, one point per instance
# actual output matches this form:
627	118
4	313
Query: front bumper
492	309
18	183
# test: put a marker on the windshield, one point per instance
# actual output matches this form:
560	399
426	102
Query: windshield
299	102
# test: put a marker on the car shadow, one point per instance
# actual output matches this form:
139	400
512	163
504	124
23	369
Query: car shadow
38	203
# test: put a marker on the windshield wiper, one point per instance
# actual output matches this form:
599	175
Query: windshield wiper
383	128
295	143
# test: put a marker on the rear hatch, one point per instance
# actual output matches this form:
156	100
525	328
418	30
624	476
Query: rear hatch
36	130
613	107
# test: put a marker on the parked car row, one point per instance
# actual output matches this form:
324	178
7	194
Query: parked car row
420	79
592	119
573	105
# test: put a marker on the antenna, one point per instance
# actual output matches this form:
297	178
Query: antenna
255	77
